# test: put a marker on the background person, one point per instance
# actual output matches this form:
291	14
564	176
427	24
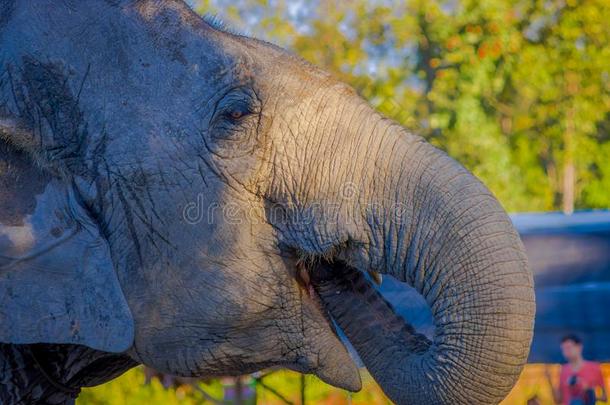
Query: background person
579	379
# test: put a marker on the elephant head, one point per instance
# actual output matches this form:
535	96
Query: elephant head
209	204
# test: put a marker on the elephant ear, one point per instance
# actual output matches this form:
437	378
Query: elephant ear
57	281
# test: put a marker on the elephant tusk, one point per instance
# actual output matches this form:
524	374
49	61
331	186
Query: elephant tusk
376	277
303	274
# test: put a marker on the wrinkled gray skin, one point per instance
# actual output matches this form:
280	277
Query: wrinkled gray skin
196	168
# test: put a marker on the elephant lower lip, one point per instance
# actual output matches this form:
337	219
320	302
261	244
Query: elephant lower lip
306	282
335	365
318	279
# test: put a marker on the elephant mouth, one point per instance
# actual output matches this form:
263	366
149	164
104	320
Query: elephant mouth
345	295
312	275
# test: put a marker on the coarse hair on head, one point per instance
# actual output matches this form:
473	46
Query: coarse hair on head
572	338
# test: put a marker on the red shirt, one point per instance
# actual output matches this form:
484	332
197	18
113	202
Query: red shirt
588	376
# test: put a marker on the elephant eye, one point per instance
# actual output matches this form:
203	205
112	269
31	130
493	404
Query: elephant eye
238	111
236	114
233	114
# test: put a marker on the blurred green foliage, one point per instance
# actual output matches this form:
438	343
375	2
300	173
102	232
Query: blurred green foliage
518	91
130	389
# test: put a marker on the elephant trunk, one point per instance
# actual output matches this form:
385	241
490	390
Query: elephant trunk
433	225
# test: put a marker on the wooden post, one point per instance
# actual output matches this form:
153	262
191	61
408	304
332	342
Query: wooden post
239	391
302	389
569	170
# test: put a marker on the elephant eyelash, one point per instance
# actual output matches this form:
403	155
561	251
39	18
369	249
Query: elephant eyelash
237	114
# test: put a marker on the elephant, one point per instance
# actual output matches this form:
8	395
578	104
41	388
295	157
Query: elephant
179	195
